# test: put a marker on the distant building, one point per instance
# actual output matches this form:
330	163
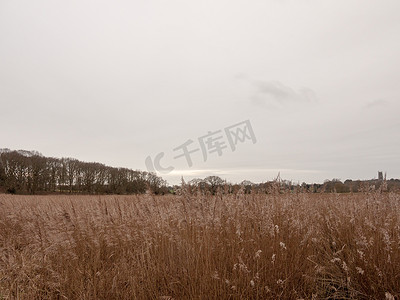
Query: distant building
380	175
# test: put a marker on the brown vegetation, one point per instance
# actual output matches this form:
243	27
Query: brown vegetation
196	246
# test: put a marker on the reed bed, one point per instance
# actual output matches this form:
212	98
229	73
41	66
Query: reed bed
281	245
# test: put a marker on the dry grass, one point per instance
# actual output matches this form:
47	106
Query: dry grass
278	246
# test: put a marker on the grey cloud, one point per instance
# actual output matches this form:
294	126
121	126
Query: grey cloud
273	93
376	103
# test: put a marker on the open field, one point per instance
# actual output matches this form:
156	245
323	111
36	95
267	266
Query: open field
237	246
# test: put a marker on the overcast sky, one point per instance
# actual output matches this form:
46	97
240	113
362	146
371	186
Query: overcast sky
119	81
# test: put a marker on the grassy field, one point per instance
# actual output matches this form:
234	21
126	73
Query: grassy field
238	246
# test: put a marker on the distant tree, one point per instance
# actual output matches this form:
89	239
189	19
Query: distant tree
2	172
10	163
247	185
71	170
157	184
197	184
214	182
39	174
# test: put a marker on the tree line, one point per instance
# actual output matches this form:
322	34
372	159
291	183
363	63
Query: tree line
213	184
29	172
